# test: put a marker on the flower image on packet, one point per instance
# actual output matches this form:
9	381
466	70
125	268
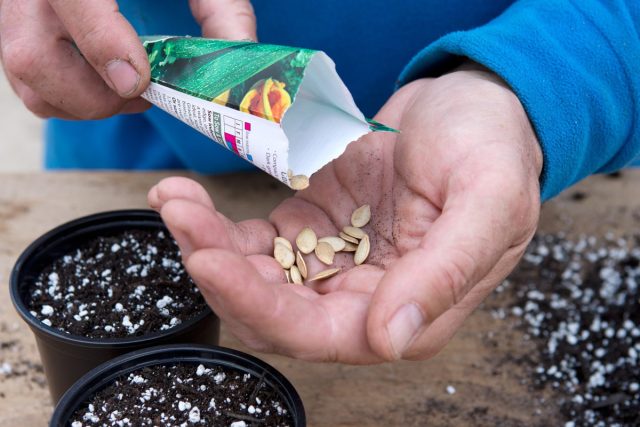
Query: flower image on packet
283	109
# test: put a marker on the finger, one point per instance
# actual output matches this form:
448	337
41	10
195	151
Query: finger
195	226
461	247
37	105
177	187
41	108
253	236
108	42
135	106
294	214
326	328
440	332
225	19
36	51
270	270
364	278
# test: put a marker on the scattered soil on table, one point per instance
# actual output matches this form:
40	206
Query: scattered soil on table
578	196
579	303
14	361
123	285
185	395
614	175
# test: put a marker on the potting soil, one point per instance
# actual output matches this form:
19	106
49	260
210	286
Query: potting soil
185	395
123	285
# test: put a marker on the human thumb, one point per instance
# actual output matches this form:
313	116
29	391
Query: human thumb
458	250
225	19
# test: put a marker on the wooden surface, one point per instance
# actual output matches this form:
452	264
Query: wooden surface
482	362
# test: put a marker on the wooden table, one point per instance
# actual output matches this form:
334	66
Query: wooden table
482	362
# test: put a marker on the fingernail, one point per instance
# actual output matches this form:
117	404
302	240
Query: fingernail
403	327
124	78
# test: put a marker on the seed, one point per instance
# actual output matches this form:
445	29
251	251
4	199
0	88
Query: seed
306	240
296	277
325	253
325	274
283	255
283	241
286	273
302	266
363	251
361	216
347	238
349	247
353	232
299	182
336	243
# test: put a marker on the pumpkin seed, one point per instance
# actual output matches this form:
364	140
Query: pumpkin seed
349	247
302	266
299	182
325	253
336	243
286	273
325	274
296	277
306	240
347	238
363	251
361	216
283	241
283	255
353	232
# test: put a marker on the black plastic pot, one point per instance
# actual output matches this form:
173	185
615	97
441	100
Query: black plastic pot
105	374
66	357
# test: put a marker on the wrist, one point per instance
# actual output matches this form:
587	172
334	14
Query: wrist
517	111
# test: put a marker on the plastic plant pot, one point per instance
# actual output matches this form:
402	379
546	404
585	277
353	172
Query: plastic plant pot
104	375
67	357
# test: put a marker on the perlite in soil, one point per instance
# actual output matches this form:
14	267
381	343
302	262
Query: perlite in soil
283	109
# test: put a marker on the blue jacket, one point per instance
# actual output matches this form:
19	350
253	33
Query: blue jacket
574	64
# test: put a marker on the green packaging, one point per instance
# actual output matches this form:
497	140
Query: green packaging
283	109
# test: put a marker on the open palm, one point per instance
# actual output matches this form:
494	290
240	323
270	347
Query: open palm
454	200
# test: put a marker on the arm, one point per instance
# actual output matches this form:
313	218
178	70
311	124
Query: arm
574	65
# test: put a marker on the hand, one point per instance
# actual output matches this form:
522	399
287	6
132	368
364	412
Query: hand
455	200
225	19
76	59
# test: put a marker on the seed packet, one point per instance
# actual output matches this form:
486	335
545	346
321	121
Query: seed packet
284	109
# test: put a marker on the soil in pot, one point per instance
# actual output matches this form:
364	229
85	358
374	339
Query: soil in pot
185	394
123	285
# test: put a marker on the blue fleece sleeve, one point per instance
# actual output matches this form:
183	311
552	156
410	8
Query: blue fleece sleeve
575	66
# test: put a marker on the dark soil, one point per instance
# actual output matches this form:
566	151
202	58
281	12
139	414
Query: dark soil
185	395
124	285
614	175
579	302
578	196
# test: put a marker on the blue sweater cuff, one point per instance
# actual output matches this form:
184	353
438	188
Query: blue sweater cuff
573	65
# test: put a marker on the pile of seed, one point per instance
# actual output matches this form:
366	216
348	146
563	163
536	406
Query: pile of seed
185	395
580	302
127	284
351	239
